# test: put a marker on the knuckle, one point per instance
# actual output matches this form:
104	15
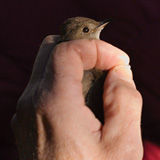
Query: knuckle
26	106
122	94
48	39
128	93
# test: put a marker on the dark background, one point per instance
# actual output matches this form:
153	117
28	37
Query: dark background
23	25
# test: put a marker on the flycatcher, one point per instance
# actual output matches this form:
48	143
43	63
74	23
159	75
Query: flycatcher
84	28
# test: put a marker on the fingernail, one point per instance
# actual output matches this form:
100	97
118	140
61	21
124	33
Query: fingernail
124	72
122	66
125	59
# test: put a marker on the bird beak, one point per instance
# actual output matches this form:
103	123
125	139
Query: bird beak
104	23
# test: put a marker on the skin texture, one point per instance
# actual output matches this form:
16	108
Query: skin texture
52	121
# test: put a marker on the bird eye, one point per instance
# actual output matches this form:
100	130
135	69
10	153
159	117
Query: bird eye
85	29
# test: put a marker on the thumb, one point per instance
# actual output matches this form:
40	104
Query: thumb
122	108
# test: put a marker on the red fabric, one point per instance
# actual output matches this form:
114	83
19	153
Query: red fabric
151	152
24	23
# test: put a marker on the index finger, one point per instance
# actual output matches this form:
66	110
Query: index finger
86	54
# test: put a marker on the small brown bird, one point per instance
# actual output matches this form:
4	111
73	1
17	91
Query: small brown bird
84	28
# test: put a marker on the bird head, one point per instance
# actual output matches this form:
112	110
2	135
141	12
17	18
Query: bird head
81	28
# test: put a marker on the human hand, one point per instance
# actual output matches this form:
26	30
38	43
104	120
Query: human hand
52	121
